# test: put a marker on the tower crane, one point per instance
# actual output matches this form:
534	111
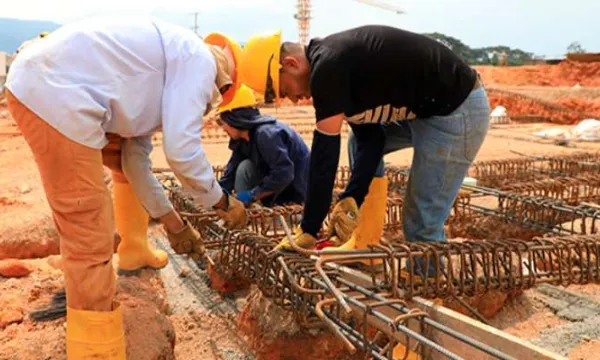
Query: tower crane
382	5
303	17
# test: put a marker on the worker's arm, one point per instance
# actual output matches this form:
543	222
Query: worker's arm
370	140
189	82
330	89
274	152
227	181
324	159
137	167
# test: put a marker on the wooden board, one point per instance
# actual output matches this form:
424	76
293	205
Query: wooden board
498	339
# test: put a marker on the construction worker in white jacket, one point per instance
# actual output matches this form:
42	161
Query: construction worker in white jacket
93	93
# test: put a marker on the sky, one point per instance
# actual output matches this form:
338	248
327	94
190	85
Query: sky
544	27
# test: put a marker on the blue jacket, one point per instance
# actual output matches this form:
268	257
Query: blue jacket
276	150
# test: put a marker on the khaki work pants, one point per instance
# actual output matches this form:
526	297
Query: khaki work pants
73	178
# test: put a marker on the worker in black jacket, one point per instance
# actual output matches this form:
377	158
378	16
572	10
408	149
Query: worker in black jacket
396	89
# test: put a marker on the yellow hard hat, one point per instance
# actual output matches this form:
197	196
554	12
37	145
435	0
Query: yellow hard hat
234	47
260	67
244	97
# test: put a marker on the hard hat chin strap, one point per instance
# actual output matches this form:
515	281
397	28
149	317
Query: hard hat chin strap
225	66
269	88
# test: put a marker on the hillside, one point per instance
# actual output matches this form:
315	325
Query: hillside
14	31
485	55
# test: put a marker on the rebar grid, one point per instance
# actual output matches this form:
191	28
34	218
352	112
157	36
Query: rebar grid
498	173
304	285
530	212
471	268
551	205
571	190
299	284
320	290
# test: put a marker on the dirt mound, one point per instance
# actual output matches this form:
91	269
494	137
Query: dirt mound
521	106
489	228
274	333
589	349
488	304
14	268
525	316
149	334
582	105
202	335
21	338
567	73
34	240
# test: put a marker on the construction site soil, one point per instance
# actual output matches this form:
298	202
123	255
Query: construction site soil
173	313
566	73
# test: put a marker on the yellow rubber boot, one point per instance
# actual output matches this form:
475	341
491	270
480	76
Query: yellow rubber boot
131	221
370	226
95	334
371	219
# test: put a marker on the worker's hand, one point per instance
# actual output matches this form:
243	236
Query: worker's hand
344	219
246	197
198	250
302	239
186	241
234	214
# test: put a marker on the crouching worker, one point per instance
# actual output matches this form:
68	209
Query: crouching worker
131	78
269	160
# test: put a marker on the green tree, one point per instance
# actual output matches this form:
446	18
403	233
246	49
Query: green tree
481	56
575	47
495	60
454	44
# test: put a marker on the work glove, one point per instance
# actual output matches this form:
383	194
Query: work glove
343	220
234	214
302	239
246	197
187	241
198	250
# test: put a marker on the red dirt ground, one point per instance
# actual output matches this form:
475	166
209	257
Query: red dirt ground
582	105
519	106
567	73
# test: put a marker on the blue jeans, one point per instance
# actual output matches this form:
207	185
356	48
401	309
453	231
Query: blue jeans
247	176
444	148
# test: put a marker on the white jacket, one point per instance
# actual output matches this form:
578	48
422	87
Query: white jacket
126	76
